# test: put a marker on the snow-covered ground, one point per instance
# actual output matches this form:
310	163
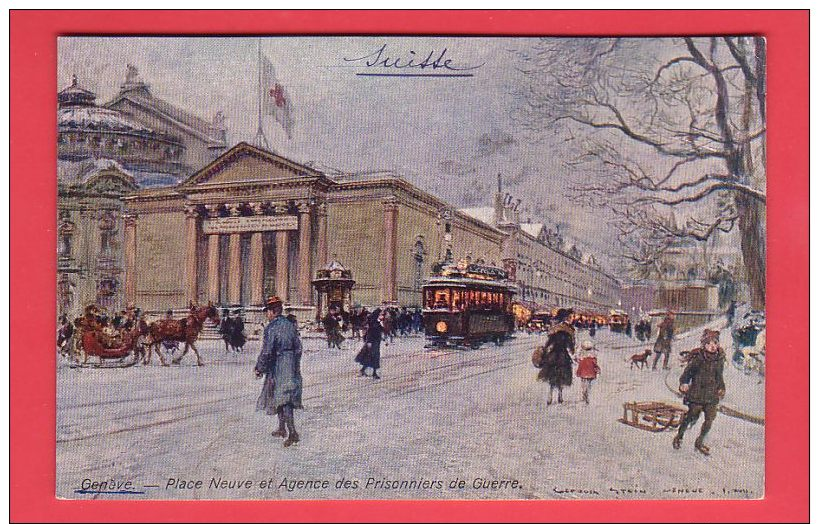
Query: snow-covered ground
441	417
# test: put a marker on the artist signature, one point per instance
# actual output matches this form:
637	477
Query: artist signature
381	59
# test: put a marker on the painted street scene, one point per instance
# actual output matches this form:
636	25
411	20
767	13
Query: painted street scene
410	268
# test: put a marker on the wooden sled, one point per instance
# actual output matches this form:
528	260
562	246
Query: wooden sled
652	416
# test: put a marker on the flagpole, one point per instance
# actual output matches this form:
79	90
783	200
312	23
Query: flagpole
259	79
261	140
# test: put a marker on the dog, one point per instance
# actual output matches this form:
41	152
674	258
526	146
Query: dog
640	359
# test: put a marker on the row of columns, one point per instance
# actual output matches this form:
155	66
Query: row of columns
256	257
304	278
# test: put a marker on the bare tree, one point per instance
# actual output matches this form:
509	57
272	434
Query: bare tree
667	133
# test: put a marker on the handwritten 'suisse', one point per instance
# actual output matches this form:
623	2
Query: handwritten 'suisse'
380	58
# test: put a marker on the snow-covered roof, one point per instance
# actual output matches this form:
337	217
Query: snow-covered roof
80	172
92	118
74	95
532	229
338	175
484	214
192	122
156	180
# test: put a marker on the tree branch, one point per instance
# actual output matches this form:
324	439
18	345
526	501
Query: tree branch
730	186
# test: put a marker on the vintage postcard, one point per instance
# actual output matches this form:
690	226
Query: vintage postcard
395	267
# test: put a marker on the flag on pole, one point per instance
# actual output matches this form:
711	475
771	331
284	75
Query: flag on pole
274	99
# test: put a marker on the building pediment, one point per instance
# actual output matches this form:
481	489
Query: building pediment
245	163
110	181
107	183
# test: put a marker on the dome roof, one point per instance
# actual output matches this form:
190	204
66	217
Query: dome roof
78	111
335	265
94	118
75	95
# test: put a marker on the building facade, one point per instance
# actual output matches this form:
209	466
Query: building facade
103	155
252	224
89	237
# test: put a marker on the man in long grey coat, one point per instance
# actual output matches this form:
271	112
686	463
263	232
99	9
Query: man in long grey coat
280	364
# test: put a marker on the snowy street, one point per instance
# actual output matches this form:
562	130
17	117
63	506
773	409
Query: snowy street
436	418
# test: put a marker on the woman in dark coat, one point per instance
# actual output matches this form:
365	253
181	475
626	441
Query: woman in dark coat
226	329
237	332
557	362
370	354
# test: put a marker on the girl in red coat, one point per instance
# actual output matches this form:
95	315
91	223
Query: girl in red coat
587	368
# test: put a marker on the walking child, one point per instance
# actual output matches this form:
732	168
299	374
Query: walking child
587	368
703	387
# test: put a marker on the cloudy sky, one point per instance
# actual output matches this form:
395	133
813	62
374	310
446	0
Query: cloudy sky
451	136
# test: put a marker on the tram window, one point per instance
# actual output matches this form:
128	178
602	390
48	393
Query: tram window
441	299
457	300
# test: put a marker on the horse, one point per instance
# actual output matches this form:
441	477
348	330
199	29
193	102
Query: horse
186	330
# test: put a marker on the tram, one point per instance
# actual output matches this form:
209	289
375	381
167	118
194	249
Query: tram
468	304
618	320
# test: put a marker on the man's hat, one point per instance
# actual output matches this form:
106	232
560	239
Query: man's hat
563	314
272	302
710	335
237	311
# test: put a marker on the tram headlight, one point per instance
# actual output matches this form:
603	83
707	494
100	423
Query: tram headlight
441	327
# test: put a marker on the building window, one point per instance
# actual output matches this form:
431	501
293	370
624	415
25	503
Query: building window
65	293
108	234
64	247
107	291
65	234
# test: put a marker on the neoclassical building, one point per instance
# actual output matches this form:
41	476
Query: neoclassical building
252	223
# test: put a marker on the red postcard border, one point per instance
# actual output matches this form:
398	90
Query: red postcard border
33	86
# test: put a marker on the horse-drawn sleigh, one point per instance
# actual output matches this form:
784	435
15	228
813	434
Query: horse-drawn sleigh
94	337
126	346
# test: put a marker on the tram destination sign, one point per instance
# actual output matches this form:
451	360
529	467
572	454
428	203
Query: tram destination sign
247	224
486	272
